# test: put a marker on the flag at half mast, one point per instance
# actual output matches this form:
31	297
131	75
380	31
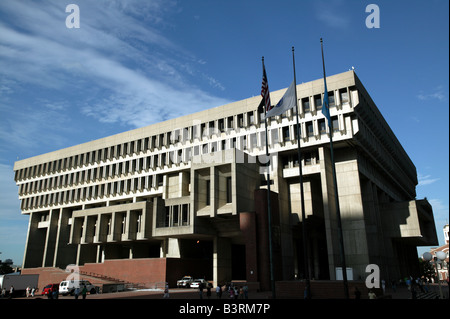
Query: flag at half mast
287	102
265	90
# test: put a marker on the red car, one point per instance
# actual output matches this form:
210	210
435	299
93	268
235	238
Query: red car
50	288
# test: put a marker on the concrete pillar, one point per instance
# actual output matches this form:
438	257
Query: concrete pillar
50	240
329	209
170	248
221	260
247	223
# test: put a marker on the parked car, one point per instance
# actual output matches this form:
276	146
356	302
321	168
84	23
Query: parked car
196	283
49	289
185	282
68	286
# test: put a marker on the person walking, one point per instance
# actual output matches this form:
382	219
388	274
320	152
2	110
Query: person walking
84	292
208	291
231	292
394	286
77	292
166	291
218	292
200	290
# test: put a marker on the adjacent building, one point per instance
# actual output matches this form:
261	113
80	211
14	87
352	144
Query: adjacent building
189	195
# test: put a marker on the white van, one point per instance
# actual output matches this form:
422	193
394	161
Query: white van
68	286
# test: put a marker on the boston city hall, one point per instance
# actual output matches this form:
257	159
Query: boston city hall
188	196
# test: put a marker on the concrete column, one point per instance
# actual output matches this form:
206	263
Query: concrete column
221	260
33	255
50	240
329	210
247	223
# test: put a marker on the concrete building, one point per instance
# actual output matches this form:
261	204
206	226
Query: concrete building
188	196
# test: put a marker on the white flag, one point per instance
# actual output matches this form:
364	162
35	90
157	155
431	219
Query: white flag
287	102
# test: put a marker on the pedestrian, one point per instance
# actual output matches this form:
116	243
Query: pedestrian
27	290
208	290
166	291
55	294
218	292
420	284
372	294
200	290
427	285
3	292
383	285
413	292
77	292
84	291
231	292
357	293
11	291
245	292
394	286
33	291
408	283
236	293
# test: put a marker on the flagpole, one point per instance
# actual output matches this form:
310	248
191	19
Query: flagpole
302	194
269	208
336	196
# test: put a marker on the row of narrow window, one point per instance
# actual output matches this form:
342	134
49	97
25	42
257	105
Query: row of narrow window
196	131
183	155
144	183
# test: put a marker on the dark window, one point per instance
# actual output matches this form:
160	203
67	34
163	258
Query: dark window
318	101
208	192
322	127
335	124
305	104
310	129
229	190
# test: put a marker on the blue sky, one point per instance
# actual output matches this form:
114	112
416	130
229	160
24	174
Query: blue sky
134	63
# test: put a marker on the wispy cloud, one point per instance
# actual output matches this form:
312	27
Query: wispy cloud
438	93
118	67
426	180
332	13
9	198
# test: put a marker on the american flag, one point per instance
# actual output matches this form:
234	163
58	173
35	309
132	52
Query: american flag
265	91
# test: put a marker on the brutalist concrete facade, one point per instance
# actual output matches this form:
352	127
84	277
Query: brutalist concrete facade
194	188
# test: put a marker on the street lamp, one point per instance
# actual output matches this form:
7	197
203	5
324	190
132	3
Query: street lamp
440	259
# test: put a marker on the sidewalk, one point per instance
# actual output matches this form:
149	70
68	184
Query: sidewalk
401	292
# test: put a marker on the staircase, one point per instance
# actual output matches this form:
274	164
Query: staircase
102	277
428	295
49	275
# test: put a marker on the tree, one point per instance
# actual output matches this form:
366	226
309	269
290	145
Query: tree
5	269
426	269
